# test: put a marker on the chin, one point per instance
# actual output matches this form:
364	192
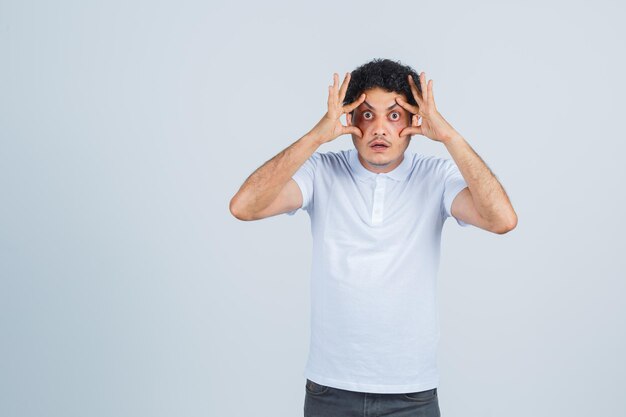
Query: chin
381	158
385	154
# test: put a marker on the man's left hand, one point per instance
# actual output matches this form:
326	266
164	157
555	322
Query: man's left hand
433	126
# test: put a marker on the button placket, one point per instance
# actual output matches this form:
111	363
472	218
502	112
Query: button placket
379	199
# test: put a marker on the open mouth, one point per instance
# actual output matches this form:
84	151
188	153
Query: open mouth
379	146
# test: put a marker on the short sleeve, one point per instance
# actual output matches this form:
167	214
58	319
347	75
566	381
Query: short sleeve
454	183
304	177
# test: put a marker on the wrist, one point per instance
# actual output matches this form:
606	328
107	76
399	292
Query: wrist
452	139
322	131
313	138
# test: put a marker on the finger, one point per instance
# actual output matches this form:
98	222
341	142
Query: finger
353	130
330	96
349	119
424	89
430	92
411	130
335	81
349	107
344	87
416	94
406	106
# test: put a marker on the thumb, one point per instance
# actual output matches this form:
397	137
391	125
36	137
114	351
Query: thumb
352	130
411	130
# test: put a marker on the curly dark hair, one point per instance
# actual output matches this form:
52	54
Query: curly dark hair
384	73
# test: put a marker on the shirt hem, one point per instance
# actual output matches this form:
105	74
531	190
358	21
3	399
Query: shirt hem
371	388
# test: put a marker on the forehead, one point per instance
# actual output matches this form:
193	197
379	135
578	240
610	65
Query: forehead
380	99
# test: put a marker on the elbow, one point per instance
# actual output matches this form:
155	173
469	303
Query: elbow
236	211
506	226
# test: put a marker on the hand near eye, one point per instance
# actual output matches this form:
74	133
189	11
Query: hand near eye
330	127
433	126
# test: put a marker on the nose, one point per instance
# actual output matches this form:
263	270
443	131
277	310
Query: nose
378	128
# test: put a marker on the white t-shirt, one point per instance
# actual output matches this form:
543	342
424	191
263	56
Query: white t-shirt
376	242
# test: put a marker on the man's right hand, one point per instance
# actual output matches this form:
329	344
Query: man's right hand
330	127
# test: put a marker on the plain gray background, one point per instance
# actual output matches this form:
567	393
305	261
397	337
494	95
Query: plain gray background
128	289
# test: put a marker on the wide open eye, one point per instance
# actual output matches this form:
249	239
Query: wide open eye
365	115
397	114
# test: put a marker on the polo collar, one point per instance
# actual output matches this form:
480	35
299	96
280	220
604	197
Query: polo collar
399	173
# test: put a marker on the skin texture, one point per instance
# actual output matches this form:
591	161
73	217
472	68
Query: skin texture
377	122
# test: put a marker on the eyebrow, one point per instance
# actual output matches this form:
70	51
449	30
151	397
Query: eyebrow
371	107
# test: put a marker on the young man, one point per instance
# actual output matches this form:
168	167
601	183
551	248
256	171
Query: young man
376	213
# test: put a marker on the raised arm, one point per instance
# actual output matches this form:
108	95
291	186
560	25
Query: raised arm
259	195
484	203
270	190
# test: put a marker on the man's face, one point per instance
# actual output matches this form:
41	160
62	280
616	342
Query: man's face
381	119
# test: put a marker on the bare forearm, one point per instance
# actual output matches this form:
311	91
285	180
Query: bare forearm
263	186
490	199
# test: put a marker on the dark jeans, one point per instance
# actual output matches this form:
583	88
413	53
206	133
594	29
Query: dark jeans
323	401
